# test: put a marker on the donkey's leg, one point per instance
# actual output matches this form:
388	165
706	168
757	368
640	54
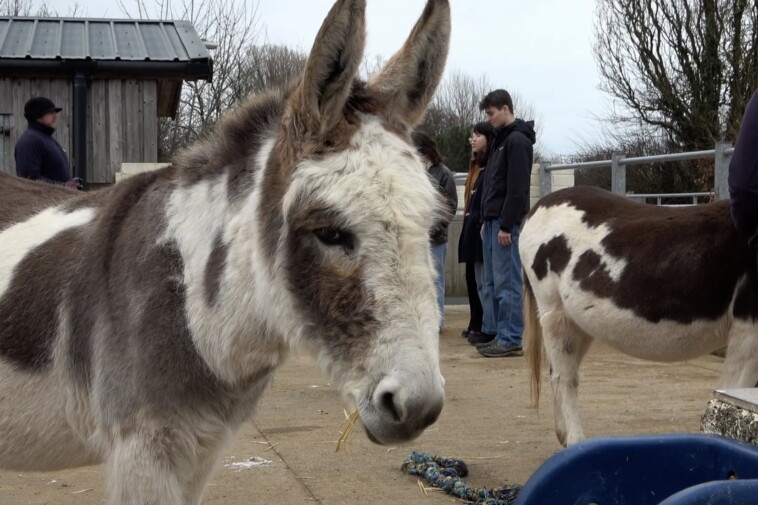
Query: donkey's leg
741	364
208	453
164	466
150	466
565	346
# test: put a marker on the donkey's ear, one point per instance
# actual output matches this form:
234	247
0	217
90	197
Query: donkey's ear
409	79
318	101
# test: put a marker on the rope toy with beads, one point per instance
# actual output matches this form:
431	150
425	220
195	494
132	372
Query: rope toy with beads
446	474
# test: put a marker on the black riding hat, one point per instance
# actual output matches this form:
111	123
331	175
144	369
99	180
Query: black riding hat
38	106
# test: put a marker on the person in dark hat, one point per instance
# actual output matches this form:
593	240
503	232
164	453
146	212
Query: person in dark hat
38	155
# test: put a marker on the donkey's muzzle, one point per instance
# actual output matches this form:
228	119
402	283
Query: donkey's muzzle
399	413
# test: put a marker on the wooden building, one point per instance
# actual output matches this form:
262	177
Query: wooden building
112	78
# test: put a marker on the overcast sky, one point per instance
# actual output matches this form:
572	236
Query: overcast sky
540	50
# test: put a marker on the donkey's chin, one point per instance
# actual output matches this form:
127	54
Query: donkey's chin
383	430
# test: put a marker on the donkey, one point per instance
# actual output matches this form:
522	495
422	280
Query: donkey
141	323
658	283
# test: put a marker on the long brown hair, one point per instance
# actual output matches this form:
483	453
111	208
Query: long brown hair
427	147
478	161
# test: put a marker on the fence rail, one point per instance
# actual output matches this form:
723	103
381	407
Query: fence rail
722	154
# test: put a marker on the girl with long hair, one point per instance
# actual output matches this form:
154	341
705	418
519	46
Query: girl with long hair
480	328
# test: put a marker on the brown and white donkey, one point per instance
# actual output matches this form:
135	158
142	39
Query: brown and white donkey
657	283
140	324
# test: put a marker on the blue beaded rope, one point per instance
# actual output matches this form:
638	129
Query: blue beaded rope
447	473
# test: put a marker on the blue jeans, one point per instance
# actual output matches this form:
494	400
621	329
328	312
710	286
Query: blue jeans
503	285
488	319
439	253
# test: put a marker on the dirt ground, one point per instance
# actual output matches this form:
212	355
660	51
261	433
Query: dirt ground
286	454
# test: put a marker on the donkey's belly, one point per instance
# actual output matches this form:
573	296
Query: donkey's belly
34	431
622	329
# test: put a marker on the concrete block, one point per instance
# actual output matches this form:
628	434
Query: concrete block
563	180
733	413
568	171
138	168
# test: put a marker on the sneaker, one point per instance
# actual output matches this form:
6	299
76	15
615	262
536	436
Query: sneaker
487	344
498	350
477	337
465	333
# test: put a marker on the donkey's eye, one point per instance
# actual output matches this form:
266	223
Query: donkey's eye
334	237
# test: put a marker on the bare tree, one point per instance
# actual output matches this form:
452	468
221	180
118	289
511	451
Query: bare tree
461	94
686	67
269	66
23	8
15	7
370	65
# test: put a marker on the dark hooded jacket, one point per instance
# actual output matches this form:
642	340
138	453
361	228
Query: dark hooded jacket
40	157
509	168
444	181
743	175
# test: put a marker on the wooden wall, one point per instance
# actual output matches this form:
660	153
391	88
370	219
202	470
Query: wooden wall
455	273
122	120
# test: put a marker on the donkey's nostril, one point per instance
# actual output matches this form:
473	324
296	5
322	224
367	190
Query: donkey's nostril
388	404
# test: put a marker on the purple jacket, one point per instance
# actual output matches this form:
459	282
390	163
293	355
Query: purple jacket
39	156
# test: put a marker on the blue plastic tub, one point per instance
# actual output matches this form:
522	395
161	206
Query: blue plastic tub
672	469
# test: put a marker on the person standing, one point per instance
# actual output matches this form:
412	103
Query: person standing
743	175
38	155
505	203
444	181
480	329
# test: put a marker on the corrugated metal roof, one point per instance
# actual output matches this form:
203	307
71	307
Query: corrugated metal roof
100	39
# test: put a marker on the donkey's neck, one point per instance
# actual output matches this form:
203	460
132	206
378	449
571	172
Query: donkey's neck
231	294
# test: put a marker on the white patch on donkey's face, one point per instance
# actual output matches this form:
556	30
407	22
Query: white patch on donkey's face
21	238
381	189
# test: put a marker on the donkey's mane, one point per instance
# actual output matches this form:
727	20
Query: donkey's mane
238	133
241	131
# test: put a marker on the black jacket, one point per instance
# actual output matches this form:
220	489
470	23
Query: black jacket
444	181
470	242
509	169
40	156
743	175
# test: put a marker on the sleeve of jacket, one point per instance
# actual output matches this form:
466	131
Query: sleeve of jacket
28	158
743	174
451	193
519	151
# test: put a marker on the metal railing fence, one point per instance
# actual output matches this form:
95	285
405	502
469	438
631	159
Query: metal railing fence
722	154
